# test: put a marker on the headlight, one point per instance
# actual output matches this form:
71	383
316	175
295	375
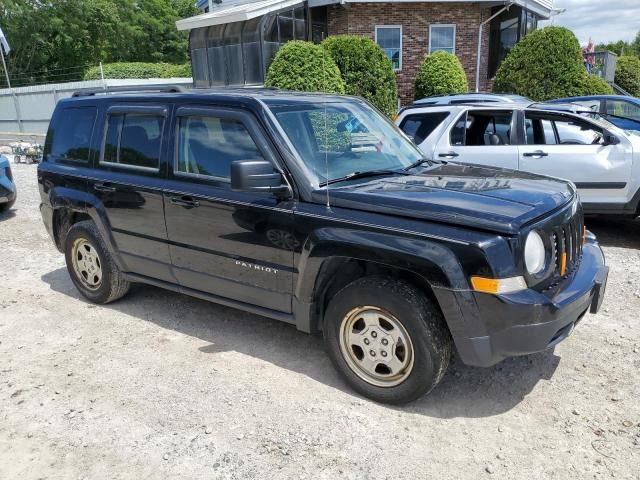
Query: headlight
534	253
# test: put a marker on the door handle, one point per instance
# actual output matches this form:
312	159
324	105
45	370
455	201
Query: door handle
186	202
449	155
537	153
101	187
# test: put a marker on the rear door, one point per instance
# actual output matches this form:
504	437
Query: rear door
237	245
128	180
485	137
572	148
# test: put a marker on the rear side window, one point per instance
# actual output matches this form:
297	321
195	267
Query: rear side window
483	128
207	145
69	137
133	140
420	126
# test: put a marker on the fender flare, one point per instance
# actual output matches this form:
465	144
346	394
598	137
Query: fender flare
432	260
83	202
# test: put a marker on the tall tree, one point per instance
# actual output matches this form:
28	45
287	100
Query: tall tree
54	40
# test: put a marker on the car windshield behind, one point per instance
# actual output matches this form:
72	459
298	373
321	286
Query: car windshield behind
340	138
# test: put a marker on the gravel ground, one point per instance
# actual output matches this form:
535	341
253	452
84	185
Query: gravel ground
160	385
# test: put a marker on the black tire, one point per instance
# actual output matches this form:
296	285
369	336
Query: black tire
5	207
422	321
113	285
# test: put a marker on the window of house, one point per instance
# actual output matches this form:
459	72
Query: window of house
133	140
478	128
442	37
207	145
71	139
390	40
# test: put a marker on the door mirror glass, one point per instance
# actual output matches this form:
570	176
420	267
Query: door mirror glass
609	139
256	176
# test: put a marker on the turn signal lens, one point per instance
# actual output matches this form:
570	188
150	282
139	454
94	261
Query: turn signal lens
498	285
584	235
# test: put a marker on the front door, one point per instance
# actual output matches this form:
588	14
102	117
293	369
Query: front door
128	181
484	137
572	148
236	245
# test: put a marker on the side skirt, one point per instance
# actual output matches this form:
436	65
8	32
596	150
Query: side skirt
264	312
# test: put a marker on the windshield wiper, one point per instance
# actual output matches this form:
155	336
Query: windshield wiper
422	161
356	175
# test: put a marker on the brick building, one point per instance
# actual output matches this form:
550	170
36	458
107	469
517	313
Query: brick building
233	41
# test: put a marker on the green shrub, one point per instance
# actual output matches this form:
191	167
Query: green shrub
139	70
594	85
545	64
365	69
305	67
440	74
628	74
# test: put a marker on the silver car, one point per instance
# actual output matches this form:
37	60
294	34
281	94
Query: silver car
462	98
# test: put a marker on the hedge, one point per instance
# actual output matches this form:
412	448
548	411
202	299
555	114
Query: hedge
441	73
594	85
545	64
628	74
305	67
366	70
139	70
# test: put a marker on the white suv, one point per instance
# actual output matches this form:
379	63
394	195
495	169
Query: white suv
588	150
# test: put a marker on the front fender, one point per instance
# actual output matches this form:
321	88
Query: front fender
432	260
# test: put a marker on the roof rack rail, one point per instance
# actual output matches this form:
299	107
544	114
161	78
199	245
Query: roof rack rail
163	88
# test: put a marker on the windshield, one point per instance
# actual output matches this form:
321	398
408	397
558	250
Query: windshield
338	139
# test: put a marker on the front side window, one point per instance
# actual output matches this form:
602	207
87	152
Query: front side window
619	108
540	131
338	138
575	132
390	40
421	125
442	37
70	138
482	128
133	140
207	145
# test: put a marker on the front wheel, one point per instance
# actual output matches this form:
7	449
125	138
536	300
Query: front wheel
387	339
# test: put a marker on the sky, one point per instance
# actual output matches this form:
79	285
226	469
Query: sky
603	20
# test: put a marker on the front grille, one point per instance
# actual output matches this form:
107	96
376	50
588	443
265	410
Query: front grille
563	235
566	245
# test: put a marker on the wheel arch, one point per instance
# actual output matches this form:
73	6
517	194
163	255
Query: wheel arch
329	264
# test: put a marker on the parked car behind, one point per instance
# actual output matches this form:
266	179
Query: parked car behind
466	98
622	111
8	191
601	159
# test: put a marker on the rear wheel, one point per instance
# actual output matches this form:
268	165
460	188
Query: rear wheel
5	207
387	339
90	265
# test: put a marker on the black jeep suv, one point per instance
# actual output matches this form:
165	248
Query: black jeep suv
317	211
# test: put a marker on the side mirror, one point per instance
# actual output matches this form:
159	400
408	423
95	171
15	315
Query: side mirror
256	176
609	139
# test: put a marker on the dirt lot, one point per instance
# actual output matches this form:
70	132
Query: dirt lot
160	385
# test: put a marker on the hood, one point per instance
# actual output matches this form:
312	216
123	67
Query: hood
468	195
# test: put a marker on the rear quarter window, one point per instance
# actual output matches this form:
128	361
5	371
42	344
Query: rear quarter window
420	125
69	136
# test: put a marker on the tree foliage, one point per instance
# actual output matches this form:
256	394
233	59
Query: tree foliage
139	70
366	70
594	85
305	67
55	40
545	64
621	47
628	74
441	73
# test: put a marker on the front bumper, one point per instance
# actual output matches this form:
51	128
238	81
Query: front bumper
490	328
